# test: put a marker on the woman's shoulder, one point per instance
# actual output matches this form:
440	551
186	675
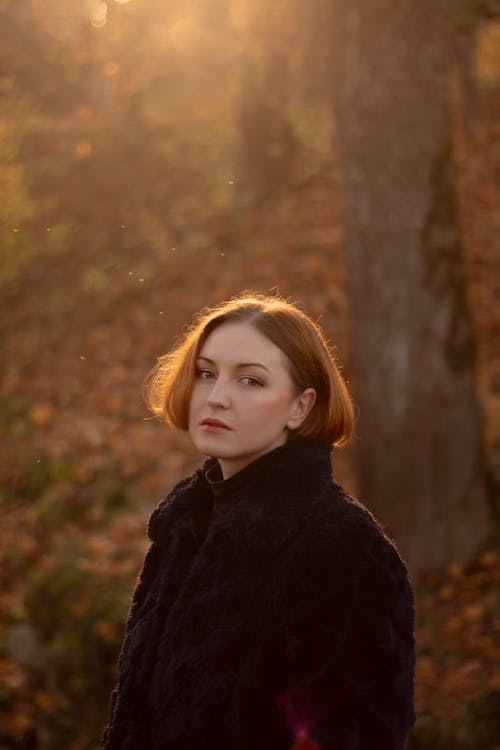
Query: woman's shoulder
336	509
343	529
344	561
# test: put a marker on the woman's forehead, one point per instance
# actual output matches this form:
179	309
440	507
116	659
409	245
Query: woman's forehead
241	343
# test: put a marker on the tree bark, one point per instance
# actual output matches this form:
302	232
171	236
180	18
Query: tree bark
419	435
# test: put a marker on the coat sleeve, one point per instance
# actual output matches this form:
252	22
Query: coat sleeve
350	651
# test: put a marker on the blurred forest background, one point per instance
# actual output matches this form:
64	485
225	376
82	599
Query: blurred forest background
157	157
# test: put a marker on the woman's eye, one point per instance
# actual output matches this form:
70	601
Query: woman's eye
248	380
205	374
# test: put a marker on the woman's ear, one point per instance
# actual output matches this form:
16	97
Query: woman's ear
301	407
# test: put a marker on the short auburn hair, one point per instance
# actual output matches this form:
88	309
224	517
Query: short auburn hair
311	362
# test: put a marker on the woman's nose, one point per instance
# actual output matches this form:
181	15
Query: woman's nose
219	394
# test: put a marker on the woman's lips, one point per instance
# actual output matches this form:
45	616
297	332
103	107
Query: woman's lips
214	425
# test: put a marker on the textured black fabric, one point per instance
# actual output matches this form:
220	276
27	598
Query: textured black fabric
270	607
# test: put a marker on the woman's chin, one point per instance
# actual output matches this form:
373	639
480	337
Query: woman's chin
211	445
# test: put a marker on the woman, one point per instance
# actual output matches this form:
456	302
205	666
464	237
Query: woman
271	612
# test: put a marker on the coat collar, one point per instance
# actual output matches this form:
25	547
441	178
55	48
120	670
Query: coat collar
258	508
186	503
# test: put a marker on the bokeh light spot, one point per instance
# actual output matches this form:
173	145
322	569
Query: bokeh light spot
84	112
111	68
99	14
83	149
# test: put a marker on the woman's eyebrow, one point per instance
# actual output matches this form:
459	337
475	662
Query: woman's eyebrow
239	366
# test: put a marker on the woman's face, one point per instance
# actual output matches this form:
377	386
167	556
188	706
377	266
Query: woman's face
244	400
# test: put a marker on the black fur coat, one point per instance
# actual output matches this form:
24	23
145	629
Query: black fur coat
271	613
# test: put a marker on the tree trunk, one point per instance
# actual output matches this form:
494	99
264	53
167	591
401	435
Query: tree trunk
418	437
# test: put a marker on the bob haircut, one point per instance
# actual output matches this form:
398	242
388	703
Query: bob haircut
310	359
